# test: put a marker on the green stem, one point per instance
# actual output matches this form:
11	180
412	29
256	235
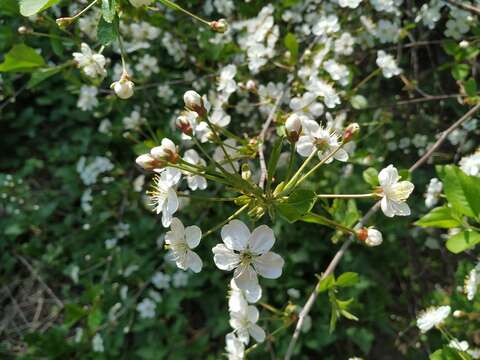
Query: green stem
231	217
345	196
204	198
85	9
220	142
367	79
174	6
291	161
299	171
281	328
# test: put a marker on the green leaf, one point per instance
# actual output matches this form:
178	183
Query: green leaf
359	102
108	10
95	318
460	71
450	47
471	87
440	217
299	203
326	284
107	32
291	43
461	190
31	7
462	241
73	313
347	279
21	58
41	75
9	7
370	176
273	161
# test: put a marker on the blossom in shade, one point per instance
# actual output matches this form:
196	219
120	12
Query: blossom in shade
394	192
234	347
195	181
163	195
92	64
432	317
244	323
181	240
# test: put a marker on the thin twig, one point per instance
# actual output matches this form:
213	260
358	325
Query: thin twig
336	259
464	6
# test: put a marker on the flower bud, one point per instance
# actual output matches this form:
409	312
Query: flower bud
166	151
123	88
293	127
251	85
246	172
350	131
64	22
193	101
370	236
146	162
219	26
22	30
184	124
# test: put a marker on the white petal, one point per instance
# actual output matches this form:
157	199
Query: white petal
235	235
305	146
387	207
224	258
262	240
177	227
252	314
341	155
194	262
388	176
193	234
246	278
269	265
257	332
172	201
253	294
400	209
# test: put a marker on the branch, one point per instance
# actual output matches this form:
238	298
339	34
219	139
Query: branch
338	256
463	6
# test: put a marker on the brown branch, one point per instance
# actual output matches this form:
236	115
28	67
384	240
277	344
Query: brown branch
338	256
467	7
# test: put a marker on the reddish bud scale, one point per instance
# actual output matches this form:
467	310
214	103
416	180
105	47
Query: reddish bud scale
362	234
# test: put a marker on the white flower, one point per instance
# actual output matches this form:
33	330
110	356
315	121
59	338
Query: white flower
239	298
315	137
458	345
352	4
219	156
180	279
244	324
394	193
248	254
195	181
161	280
307	104
226	82
387	64
470	165
472	280
166	151
139	3
93	65
123	88
146	309
344	44
97	343
181	240
234	347
88	98
434	190
326	25
432	317
163	196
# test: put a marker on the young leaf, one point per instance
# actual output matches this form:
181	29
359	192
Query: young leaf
347	279
273	161
107	32
299	203
370	176
462	241
440	217
41	75
31	7
460	71
461	191
291	43
471	87
326	284
108	10
21	58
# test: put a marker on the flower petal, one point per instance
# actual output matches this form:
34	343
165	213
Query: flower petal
194	261
224	258
305	146
235	235
257	332
193	234
269	265
387	208
245	278
262	240
388	176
